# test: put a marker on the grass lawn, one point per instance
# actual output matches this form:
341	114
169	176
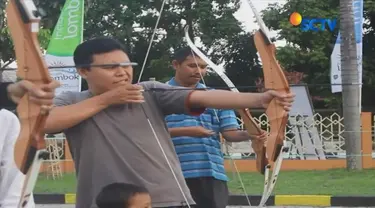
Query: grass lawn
338	182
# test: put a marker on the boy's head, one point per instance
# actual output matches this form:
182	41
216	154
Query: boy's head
103	50
189	67
122	195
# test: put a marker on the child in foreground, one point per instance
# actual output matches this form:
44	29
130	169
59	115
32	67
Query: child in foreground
122	195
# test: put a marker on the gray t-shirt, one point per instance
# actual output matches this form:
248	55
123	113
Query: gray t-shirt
118	145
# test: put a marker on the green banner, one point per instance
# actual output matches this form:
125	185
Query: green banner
68	32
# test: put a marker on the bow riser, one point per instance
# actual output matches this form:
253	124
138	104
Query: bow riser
277	135
275	79
23	22
253	129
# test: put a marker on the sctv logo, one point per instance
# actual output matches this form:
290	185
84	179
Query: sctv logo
313	24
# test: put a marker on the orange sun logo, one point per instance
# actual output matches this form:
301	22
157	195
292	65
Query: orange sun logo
295	18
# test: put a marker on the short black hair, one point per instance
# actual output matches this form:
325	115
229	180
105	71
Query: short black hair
181	54
83	54
118	195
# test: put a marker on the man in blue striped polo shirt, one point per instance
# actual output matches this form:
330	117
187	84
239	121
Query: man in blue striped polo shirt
196	138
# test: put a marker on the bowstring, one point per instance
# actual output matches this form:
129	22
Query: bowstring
151	40
148	119
225	142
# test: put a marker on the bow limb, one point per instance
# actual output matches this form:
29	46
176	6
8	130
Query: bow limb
23	22
251	126
259	19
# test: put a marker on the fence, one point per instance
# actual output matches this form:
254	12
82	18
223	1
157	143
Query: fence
327	139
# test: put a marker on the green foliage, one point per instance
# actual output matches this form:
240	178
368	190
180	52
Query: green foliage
211	21
309	52
133	21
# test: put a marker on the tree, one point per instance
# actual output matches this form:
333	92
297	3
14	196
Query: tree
132	22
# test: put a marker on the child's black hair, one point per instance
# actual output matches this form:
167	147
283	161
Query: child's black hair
118	195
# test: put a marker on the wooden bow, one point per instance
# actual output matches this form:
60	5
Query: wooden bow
23	21
274	79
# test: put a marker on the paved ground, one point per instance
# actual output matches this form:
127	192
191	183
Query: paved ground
72	206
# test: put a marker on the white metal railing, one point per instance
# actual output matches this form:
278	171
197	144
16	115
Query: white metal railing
325	133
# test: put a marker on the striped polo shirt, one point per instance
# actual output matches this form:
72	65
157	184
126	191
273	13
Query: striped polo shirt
202	157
